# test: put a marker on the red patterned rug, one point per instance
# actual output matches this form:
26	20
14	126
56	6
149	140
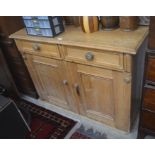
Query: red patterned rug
45	124
78	135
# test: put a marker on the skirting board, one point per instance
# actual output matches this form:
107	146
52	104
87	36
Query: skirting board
111	133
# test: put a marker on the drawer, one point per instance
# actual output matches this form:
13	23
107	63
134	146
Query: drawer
149	98
94	57
148	120
37	31
150	69
42	23
37	23
37	48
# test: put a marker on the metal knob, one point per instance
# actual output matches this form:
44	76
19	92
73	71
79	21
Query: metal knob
36	47
89	56
127	79
65	82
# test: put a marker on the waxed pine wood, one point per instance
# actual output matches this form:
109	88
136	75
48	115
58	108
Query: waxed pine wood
98	88
48	76
101	94
116	40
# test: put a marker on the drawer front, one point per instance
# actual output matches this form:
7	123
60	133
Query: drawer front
149	99
148	120
37	31
150	70
37	48
37	23
94	57
151	37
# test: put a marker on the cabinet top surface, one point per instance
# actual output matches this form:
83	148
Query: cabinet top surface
115	40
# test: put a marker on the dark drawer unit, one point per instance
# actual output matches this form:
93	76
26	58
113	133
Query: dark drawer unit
148	120
13	57
150	67
151	43
7	85
147	112
149	98
47	26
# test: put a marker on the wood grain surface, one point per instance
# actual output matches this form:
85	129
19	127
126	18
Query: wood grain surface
117	40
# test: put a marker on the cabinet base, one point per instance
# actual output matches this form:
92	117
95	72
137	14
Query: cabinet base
112	133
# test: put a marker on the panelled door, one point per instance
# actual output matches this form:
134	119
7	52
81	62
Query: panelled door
101	94
50	80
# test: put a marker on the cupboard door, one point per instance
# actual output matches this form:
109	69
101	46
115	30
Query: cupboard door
49	78
103	95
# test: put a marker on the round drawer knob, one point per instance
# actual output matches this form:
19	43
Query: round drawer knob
127	80
89	56
36	47
65	82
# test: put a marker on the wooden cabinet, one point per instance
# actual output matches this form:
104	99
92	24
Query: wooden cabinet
100	94
94	92
150	74
6	80
151	38
147	113
92	77
50	79
8	25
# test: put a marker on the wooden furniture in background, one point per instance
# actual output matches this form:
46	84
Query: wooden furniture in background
9	25
147	113
128	23
72	20
109	22
6	80
151	43
89	74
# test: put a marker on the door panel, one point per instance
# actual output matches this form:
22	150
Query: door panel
48	75
103	95
98	95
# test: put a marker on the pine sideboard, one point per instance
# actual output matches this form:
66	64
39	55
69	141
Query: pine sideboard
88	74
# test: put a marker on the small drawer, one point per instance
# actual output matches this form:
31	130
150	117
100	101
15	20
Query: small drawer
37	48
148	120
149	98
94	57
37	31
37	23
150	70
